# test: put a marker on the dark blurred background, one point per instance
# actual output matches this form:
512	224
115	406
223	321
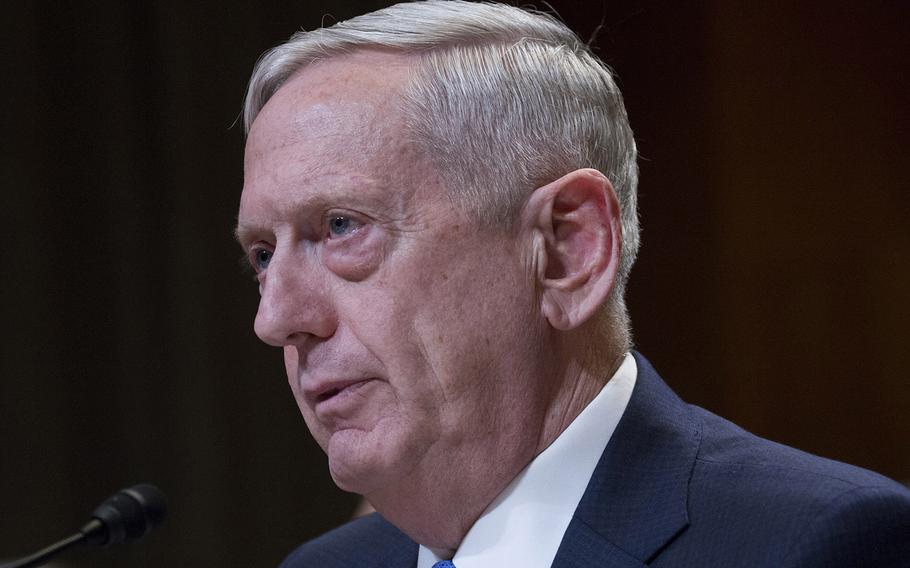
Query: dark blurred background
773	286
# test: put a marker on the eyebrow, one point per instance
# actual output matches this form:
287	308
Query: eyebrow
245	234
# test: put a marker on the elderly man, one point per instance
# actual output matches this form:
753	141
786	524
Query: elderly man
439	202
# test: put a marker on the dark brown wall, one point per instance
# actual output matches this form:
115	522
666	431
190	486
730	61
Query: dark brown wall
773	286
774	282
814	242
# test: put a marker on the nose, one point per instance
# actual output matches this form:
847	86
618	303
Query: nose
295	304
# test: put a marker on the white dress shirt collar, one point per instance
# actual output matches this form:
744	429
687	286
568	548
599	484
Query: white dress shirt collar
525	524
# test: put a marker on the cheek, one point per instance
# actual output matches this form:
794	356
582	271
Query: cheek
291	367
293	372
478	317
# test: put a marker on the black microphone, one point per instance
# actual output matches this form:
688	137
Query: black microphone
128	514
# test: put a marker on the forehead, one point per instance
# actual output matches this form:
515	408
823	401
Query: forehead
347	100
335	123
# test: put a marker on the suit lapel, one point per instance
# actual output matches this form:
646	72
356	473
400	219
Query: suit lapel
403	557
398	552
583	547
636	501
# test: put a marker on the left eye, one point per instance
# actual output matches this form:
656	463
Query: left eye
340	225
260	259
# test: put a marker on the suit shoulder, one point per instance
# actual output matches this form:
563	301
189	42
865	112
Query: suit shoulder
366	541
864	526
727	448
791	507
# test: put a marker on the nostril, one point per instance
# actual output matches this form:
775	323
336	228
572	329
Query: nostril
294	337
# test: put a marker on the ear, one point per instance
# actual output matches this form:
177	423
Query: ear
577	240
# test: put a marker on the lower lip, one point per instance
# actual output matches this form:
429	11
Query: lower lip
344	401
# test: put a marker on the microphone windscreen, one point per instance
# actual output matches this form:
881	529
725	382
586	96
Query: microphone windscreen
131	513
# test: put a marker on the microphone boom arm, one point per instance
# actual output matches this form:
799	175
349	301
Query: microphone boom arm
126	515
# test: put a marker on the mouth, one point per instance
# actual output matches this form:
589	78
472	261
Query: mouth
335	389
327	395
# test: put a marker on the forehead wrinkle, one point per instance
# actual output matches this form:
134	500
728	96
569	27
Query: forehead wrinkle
315	192
343	104
340	135
328	121
288	180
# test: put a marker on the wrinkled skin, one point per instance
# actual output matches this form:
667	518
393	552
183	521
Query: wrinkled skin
411	335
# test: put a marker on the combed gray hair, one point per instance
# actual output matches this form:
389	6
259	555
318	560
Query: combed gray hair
503	100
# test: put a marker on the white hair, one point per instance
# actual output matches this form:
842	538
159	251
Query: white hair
503	100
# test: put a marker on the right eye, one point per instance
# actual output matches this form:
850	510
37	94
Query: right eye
260	258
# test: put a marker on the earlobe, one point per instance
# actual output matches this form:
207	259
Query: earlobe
577	253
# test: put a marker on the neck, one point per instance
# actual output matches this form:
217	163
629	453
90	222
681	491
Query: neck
584	376
437	508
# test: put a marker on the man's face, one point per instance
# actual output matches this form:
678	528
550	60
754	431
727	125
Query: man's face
409	331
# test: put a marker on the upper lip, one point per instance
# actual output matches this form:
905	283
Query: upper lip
318	391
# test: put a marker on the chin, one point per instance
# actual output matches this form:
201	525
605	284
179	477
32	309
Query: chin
372	461
361	478
353	463
346	480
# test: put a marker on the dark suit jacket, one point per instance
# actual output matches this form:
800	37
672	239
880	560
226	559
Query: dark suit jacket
678	486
